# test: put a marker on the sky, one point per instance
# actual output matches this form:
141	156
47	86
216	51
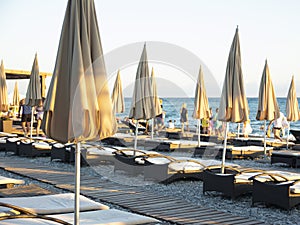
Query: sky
180	35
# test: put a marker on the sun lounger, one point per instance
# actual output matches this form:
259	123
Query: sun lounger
12	145
177	134
296	134
171	145
51	204
126	160
277	188
233	183
232	152
66	153
33	149
7	182
99	217
99	154
167	169
289	157
2	143
124	140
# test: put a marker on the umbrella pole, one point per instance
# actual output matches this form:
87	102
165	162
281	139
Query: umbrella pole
152	127
265	147
77	183
238	130
31	123
199	138
224	149
287	137
135	139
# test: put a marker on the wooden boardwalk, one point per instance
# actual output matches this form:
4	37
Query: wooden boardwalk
170	209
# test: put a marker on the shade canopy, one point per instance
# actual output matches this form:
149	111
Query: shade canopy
201	106
158	109
3	90
267	103
16	95
292	107
233	104
142	105
117	96
78	105
34	94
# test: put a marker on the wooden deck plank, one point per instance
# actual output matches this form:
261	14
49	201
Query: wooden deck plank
167	208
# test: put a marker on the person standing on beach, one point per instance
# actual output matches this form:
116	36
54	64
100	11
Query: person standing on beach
184	117
26	116
278	125
217	123
39	116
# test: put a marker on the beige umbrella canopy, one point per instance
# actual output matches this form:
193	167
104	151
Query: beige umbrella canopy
142	105
233	104
78	104
33	94
267	102
3	90
16	95
117	96
158	109
201	106
292	107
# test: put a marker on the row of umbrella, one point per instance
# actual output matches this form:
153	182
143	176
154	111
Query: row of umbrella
33	94
233	104
4	104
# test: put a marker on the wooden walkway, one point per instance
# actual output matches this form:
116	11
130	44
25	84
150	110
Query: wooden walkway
170	209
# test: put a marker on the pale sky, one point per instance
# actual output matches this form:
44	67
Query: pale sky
204	28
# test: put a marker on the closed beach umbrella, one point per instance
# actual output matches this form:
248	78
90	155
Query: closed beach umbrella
3	90
233	104
33	94
158	109
117	96
78	104
201	106
142	105
16	95
292	107
267	102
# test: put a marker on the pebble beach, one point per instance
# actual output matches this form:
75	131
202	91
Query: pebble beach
191	191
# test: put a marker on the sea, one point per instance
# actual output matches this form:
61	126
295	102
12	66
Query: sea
171	107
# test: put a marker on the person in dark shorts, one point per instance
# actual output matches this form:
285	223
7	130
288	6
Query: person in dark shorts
26	116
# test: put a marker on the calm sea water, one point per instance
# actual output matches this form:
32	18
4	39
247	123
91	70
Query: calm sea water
172	108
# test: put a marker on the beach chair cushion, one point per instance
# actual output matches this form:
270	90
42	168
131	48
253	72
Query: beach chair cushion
185	166
99	217
295	189
41	145
52	204
244	177
8	180
13	139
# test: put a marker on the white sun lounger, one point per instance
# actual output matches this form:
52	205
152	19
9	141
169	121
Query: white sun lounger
9	182
51	204
99	217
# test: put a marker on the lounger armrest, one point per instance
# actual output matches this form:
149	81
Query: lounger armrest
151	155
272	176
26	216
213	167
122	152
17	208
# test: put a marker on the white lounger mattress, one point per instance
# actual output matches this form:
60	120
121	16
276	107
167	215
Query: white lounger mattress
99	217
52	204
8	180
